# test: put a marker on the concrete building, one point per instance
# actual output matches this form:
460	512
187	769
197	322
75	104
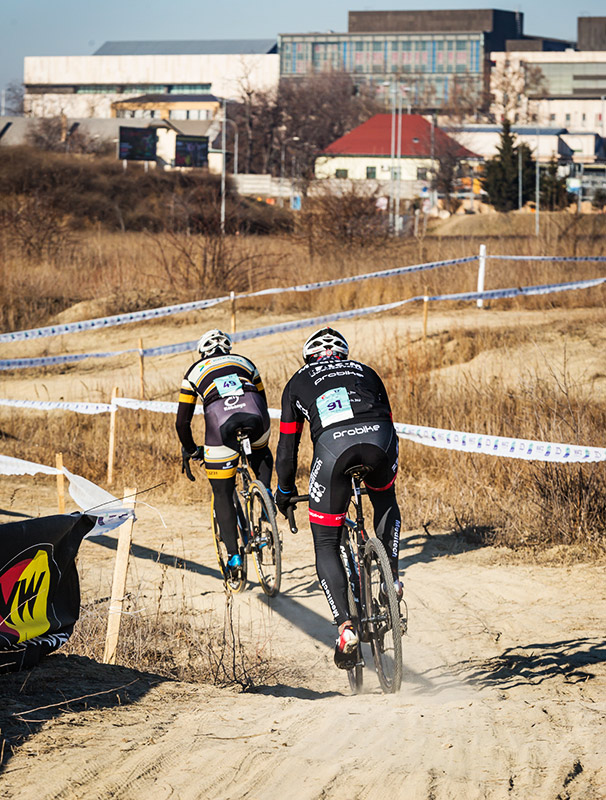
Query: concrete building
434	54
98	85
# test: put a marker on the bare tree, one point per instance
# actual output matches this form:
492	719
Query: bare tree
515	86
13	99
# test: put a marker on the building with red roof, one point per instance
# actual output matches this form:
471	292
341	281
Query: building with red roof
365	153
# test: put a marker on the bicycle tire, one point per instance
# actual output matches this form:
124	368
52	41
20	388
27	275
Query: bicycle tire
355	675
265	543
384	624
235	585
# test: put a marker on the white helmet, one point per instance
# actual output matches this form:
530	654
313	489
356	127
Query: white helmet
325	342
212	341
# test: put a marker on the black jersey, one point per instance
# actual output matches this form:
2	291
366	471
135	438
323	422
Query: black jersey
328	393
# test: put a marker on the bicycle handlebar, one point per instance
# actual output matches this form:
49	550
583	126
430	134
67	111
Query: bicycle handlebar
302	498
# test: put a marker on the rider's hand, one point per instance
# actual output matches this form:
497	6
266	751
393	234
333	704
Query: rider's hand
282	499
197	455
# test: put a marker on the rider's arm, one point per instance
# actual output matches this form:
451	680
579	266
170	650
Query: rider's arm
185	413
291	425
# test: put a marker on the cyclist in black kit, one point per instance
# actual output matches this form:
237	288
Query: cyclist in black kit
233	396
349	415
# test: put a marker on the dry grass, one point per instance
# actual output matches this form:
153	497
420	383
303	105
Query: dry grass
179	643
516	503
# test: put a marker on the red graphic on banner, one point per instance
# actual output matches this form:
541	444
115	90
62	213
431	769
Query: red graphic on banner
24	591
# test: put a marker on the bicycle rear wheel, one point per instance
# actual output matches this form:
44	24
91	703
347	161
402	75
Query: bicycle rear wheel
384	616
265	544
234	583
355	675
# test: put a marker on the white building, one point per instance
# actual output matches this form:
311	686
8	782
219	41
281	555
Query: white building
567	89
87	86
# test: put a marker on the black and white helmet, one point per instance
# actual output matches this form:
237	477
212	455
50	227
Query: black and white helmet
214	340
325	342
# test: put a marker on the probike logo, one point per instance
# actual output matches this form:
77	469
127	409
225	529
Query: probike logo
24	591
358	431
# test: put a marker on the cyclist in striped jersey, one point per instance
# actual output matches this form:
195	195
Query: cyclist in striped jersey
233	397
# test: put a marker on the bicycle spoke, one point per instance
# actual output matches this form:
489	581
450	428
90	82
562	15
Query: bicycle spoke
265	544
383	616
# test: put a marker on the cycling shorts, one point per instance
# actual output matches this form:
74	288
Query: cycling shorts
373	444
223	418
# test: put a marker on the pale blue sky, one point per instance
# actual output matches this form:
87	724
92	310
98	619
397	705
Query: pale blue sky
79	27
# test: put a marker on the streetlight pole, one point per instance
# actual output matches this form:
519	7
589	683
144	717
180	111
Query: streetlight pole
231	122
603	99
282	157
537	193
223	128
519	178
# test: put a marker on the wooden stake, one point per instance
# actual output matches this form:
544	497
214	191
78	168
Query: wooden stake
112	437
425	309
60	483
232	297
114	619
141	371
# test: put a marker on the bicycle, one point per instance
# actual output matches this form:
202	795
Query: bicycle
372	600
257	529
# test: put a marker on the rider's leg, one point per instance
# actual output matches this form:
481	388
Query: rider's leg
262	462
330	569
225	511
387	522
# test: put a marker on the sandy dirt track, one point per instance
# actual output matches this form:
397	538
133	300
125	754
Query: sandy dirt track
504	690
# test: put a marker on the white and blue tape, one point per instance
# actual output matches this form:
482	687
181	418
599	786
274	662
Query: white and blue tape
164	311
503	446
21	363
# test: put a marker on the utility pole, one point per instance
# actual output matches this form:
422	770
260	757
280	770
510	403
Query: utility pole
399	162
392	156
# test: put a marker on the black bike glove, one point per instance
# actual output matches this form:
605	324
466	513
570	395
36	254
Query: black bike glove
282	499
197	455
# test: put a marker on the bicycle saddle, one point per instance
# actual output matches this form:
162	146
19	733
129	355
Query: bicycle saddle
358	471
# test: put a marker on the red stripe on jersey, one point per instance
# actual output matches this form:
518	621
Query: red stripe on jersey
334	520
381	488
291	427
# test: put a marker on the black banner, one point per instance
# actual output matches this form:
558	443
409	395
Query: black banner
39	587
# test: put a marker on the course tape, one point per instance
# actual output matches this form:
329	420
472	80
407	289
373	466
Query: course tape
527	449
549	258
21	363
96	502
107	322
164	311
503	446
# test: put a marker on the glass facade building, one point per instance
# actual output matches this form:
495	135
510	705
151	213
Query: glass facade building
431	65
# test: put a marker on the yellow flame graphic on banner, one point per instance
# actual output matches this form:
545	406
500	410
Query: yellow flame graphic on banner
28	613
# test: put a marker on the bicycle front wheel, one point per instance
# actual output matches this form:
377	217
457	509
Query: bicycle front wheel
384	616
237	582
265	544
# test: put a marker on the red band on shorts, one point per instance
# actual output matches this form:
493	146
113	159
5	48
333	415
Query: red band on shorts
291	427
334	520
381	488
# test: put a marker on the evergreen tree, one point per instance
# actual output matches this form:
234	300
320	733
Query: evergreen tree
554	194
501	172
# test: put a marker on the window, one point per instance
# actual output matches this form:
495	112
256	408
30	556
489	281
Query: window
371	173
377	47
421	173
341	173
567	117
